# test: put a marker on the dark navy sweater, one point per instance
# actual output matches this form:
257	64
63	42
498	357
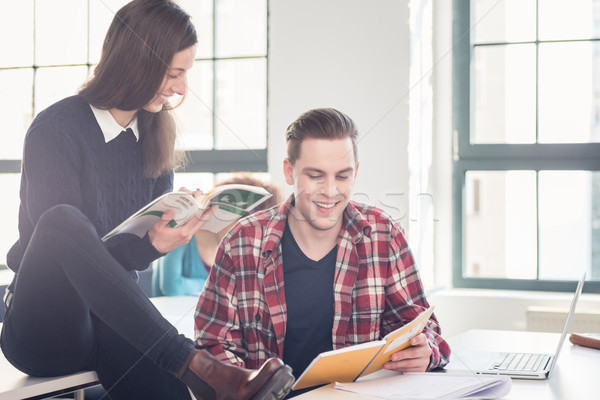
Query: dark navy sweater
66	161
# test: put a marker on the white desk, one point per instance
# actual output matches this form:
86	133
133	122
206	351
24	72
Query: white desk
16	385
575	376
179	311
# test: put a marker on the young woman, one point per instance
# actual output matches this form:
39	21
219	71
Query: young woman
74	303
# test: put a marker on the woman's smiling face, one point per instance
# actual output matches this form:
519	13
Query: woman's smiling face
175	81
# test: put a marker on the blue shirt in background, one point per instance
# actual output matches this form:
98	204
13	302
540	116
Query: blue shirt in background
179	273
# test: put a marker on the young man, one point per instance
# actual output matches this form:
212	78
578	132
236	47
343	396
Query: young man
318	272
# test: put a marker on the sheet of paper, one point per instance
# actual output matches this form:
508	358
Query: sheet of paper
431	385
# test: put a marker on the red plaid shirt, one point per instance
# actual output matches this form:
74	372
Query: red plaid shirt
241	313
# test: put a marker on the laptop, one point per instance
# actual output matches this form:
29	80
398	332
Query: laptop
521	365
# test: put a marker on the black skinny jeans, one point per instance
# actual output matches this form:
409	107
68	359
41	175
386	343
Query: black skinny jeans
75	307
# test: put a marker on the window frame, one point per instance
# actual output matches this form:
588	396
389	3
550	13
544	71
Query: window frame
498	157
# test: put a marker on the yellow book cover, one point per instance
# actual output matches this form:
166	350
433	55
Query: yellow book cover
398	340
349	363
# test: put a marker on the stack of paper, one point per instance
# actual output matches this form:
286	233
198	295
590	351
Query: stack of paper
431	385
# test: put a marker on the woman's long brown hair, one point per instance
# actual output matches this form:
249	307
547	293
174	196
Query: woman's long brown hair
138	49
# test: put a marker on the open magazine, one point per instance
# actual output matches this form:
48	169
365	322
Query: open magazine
349	363
232	201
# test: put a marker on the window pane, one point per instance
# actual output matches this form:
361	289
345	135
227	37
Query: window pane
61	37
241	28
16	21
241	104
569	92
16	110
504	91
102	13
573	19
503	21
9	201
263	176
193	181
566	201
500	225
54	84
201	12
195	113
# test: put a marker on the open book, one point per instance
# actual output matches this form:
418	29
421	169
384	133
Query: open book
350	363
233	201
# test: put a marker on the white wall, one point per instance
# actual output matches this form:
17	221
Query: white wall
459	310
352	55
442	140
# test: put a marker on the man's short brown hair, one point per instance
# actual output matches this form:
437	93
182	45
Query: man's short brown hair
320	123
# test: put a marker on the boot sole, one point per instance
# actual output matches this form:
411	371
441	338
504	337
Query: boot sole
278	386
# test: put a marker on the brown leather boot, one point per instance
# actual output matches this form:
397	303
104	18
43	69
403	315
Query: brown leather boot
210	379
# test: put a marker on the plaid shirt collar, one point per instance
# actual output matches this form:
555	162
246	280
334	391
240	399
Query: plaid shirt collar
355	225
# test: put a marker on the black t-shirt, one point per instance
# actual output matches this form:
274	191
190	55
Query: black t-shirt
309	299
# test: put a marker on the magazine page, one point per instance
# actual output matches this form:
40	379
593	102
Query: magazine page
232	202
184	205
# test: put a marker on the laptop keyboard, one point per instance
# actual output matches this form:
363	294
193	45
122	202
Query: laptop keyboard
520	362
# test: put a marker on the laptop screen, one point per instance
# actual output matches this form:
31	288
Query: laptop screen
568	322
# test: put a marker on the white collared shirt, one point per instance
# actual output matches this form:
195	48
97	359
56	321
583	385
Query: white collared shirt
110	127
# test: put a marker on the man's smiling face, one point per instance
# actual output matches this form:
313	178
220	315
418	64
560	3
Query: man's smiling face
323	177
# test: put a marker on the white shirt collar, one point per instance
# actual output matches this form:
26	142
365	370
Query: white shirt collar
110	127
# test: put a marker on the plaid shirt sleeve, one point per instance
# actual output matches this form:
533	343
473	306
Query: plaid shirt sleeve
216	320
405	299
233	319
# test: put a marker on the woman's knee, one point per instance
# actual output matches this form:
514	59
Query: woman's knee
65	218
